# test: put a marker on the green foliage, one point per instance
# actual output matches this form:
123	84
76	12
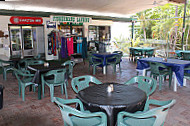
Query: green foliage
159	23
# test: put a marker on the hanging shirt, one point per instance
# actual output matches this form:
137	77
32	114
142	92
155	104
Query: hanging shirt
70	46
63	51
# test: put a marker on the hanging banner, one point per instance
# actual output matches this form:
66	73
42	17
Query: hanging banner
70	19
26	20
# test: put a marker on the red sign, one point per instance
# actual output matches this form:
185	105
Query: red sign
26	20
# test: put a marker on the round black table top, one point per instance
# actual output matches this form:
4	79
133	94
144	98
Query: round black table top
122	95
123	98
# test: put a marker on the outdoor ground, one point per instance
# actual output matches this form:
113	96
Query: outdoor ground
34	112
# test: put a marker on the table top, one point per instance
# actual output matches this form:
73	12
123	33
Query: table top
176	65
169	61
142	48
41	67
122	95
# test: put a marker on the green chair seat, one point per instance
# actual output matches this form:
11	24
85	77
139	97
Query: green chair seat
27	80
139	122
88	121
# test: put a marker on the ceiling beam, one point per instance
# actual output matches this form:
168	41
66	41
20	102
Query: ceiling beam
47	14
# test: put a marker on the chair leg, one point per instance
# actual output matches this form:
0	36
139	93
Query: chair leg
65	90
19	86
170	80
160	82
34	88
119	67
94	70
114	69
89	68
43	89
4	75
51	92
23	92
62	89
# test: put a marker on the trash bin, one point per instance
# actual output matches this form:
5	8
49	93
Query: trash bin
1	96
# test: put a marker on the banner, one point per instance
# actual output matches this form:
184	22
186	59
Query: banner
26	20
70	19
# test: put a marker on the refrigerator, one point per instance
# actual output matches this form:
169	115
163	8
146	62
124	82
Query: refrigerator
24	41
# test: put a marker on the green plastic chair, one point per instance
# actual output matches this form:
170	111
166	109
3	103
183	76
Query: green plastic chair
6	66
74	117
152	117
146	84
185	56
131	54
57	80
94	62
137	54
71	64
114	61
24	79
82	82
159	69
149	53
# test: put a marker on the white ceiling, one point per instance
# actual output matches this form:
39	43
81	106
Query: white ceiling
119	8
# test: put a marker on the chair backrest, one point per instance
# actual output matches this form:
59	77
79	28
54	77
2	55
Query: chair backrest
69	63
146	84
153	117
58	75
69	113
22	74
155	67
149	53
137	52
81	82
35	62
185	56
119	52
23	63
115	58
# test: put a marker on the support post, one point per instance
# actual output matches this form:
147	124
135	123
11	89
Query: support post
132	33
183	30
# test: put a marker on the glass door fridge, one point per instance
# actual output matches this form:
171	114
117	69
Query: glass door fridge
27	37
21	41
16	41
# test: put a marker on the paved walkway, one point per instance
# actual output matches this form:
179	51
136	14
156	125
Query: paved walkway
34	112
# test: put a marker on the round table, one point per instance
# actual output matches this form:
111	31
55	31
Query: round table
41	69
123	98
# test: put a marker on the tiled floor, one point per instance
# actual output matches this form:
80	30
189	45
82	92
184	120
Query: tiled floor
34	112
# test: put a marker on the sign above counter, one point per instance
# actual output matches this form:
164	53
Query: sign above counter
71	19
26	20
